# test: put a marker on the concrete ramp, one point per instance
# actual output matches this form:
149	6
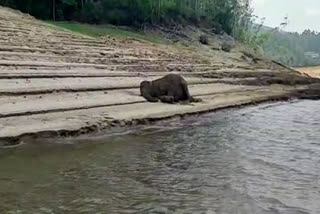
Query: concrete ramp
54	81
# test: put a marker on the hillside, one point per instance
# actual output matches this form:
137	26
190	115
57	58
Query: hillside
57	82
293	49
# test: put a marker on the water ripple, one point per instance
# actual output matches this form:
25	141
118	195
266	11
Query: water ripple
263	159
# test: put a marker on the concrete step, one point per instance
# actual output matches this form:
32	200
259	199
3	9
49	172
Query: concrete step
70	51
14	56
61	48
64	65
150	66
87	120
35	104
50	85
15	39
35	74
12	27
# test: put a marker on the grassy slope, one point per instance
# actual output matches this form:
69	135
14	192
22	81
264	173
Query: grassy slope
102	30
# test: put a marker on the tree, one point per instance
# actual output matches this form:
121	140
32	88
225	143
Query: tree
230	15
54	10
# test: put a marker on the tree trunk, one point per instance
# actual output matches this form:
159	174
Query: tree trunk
54	10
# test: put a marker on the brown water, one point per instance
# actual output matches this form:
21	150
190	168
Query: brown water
263	159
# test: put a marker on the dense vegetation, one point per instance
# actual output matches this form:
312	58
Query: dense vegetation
227	15
292	48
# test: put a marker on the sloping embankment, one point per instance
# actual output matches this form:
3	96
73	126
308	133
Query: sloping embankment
58	82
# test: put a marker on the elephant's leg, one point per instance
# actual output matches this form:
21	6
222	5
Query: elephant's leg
195	100
187	95
167	99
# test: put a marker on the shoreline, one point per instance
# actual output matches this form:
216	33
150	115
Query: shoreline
313	71
55	82
16	141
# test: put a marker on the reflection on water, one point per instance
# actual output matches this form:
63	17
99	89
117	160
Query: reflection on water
262	159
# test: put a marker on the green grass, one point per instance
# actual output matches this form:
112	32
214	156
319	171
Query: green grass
102	30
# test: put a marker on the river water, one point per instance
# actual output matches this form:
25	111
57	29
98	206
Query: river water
262	159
